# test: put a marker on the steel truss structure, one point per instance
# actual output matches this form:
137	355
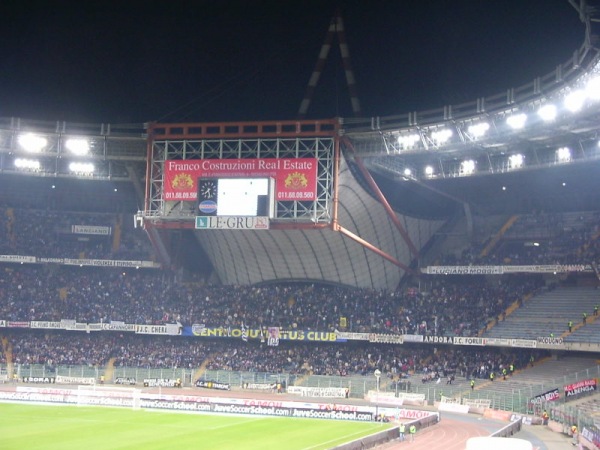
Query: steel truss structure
248	140
381	140
113	148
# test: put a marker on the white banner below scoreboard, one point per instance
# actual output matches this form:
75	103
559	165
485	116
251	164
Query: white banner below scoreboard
232	223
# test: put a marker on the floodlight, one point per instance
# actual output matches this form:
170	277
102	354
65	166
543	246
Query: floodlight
30	164
32	143
407	172
592	88
429	171
563	154
84	168
467	167
516	121
515	161
78	146
442	135
575	100
478	129
408	140
547	112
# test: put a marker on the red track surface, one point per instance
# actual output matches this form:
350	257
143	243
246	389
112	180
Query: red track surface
448	434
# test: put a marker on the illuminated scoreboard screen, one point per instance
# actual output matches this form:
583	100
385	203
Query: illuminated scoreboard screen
237	197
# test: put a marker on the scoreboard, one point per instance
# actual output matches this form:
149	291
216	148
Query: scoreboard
231	198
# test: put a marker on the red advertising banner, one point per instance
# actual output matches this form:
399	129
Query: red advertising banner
580	387
295	178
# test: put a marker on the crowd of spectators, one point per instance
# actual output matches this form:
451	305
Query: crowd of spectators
537	238
49	234
93	295
55	349
442	307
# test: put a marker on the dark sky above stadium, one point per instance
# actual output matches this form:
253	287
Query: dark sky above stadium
108	61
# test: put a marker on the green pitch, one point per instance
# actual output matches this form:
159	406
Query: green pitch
35	427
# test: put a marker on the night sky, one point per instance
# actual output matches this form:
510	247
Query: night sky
132	62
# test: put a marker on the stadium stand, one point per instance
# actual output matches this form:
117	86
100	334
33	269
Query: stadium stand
549	313
536	238
52	350
443	307
71	235
292	280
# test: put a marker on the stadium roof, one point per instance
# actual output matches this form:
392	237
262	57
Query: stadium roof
545	182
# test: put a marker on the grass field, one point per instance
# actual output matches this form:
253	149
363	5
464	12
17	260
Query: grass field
34	427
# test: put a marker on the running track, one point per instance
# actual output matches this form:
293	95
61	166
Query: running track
448	434
452	433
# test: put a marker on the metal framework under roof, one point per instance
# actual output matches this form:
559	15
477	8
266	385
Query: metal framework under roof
248	140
